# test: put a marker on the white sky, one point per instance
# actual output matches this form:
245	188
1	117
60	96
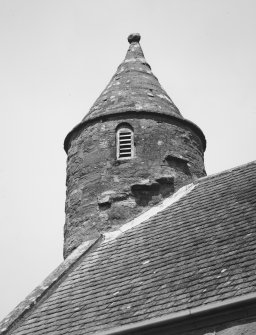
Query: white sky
57	56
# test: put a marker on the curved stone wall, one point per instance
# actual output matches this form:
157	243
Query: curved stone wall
103	192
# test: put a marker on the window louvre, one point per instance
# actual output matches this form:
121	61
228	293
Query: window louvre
125	146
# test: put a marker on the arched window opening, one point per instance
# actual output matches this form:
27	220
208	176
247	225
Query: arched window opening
125	143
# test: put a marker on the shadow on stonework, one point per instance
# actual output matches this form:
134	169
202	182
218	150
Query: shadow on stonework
150	193
178	163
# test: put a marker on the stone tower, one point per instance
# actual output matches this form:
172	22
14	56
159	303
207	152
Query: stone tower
130	151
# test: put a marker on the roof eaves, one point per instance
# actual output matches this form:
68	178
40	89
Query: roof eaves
40	291
154	322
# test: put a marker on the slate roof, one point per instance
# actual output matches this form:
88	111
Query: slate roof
199	250
133	88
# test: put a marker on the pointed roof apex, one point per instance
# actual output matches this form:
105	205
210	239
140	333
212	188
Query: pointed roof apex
135	37
135	56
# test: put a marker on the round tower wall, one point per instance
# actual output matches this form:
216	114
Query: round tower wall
104	192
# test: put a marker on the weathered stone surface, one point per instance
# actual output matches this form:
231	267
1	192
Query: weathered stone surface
103	192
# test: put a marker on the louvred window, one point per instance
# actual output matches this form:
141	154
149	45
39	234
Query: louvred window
125	143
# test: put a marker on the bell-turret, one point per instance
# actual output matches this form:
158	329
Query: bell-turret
130	151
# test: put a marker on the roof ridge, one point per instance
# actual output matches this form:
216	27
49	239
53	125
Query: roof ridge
214	175
40	291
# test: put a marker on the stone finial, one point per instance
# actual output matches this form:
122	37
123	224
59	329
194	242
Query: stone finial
134	38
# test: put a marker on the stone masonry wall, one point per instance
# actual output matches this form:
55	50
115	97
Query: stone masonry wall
103	192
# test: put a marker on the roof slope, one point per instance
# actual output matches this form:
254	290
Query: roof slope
199	250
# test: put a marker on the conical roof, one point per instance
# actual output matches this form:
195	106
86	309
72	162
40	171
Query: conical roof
133	88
